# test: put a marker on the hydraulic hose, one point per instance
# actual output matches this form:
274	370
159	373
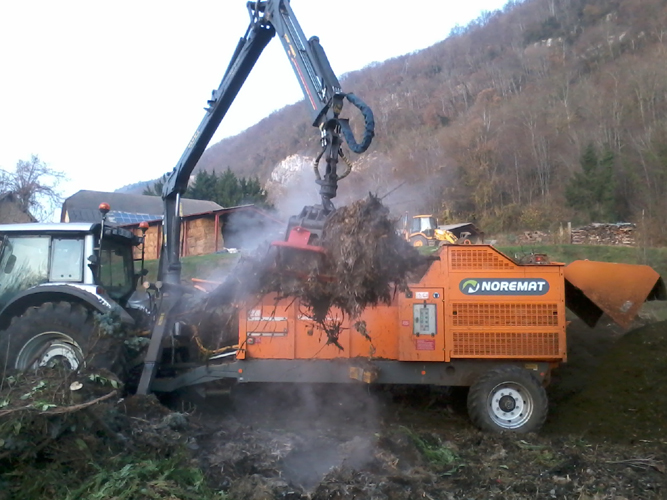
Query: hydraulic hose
369	123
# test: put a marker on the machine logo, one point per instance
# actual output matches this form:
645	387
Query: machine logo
472	286
504	286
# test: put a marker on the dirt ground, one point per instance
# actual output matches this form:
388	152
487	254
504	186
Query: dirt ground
605	438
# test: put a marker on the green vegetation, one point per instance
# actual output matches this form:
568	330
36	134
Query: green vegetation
123	477
434	450
591	191
146	479
67	435
226	189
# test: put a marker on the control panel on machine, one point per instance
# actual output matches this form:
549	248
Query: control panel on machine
424	321
421	319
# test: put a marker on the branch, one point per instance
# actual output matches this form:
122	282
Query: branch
60	410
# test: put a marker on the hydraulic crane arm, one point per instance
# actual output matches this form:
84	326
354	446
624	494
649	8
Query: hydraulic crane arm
320	87
325	98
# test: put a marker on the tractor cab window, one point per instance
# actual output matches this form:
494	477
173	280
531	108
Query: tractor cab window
116	271
24	263
66	260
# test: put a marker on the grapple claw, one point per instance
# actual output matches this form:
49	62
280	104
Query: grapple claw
299	255
298	239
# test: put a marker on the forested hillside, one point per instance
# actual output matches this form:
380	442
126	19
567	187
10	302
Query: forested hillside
549	111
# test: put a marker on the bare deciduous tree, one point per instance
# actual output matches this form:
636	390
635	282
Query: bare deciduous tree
35	185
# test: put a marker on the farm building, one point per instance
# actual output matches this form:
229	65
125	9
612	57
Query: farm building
206	227
12	211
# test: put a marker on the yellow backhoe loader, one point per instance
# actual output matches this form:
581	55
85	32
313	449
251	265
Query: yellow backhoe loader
423	230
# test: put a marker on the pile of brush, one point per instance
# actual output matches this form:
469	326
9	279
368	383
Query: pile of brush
369	260
365	263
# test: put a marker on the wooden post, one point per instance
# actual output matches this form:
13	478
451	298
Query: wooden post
217	231
569	233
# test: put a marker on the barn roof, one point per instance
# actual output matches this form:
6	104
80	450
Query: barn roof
125	208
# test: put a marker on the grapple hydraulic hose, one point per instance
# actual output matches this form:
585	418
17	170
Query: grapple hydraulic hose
369	122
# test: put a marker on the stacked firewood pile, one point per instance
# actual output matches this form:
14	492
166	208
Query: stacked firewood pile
622	233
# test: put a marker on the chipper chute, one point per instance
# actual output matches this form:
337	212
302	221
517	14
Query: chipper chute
619	290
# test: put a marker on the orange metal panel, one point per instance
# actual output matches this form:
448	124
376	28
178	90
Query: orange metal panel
311	339
267	329
497	309
483	306
382	326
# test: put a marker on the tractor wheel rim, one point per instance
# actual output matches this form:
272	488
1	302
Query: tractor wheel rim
50	349
510	405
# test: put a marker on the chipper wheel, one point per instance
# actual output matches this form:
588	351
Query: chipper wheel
54	334
508	399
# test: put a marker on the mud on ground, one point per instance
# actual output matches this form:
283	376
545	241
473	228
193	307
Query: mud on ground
605	437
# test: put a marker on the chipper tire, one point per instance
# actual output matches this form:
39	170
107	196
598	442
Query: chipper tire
55	334
510	399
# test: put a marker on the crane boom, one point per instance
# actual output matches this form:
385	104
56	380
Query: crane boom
322	92
325	98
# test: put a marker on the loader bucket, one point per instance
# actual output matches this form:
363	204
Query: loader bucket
619	290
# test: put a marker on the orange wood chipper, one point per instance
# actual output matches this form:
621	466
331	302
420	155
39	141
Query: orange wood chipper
476	318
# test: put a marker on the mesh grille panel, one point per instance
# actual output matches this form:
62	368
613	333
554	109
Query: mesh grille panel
504	314
478	258
492	344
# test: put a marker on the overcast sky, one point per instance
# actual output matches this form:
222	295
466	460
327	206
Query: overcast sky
111	92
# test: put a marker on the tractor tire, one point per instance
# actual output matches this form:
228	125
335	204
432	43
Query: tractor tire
419	241
55	334
509	398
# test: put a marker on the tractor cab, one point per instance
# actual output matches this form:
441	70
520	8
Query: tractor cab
68	256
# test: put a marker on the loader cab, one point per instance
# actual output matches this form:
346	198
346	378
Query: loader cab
423	230
425	224
66	254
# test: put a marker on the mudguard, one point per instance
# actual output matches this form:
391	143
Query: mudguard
51	292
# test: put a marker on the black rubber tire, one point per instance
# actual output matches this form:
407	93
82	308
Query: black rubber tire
419	241
518	391
66	334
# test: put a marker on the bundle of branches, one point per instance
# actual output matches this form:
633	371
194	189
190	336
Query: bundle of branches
37	408
366	262
367	257
69	434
